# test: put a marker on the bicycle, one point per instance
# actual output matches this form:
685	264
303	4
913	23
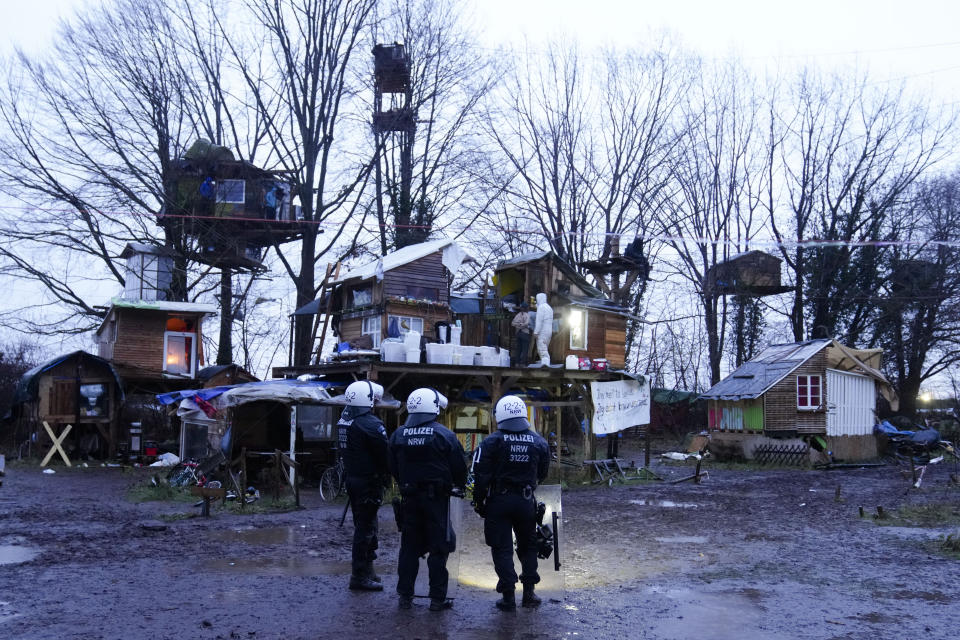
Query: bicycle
331	482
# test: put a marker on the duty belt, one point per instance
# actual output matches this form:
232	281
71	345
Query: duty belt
515	489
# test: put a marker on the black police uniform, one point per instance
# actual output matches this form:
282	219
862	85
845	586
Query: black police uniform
509	466
427	461
362	441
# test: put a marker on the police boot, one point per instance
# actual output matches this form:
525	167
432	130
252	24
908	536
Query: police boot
509	601
363	582
370	573
440	604
530	599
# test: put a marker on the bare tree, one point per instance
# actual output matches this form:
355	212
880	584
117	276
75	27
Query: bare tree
849	151
718	175
426	175
919	306
90	138
300	75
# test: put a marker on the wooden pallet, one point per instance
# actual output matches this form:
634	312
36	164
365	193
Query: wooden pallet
785	455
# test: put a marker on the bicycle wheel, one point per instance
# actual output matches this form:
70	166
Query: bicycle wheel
329	484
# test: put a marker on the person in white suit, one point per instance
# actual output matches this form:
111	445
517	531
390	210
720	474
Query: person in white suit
543	329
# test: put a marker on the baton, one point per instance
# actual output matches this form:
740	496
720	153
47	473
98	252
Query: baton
343	517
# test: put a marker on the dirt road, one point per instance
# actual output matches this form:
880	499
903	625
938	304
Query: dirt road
746	554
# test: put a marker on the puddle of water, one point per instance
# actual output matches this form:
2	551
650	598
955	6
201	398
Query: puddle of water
683	540
264	536
731	615
293	566
667	504
914	533
15	554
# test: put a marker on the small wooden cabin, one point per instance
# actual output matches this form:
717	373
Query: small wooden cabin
817	387
153	340
407	290
586	323
78	389
753	273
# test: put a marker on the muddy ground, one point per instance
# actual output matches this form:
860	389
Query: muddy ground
746	554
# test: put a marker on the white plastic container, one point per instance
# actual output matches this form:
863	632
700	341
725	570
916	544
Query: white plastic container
393	352
439	353
455	335
486	357
413	356
572	362
504	357
412	340
456	355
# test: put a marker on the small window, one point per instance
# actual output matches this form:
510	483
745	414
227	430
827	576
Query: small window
371	327
809	392
180	353
232	191
577	319
406	324
423	293
361	296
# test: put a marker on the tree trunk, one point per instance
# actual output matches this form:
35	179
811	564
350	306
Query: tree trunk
225	346
303	325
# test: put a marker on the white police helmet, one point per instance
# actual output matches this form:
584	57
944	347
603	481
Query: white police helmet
363	393
511	414
426	401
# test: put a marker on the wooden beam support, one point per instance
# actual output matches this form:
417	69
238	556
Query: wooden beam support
57	442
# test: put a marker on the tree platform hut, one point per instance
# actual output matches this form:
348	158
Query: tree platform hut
398	324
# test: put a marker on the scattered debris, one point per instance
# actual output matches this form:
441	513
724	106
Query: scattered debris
166	460
49	471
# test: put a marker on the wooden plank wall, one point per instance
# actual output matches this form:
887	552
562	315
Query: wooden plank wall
425	272
780	402
606	336
140	338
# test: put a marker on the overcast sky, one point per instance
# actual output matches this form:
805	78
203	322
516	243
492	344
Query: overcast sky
917	39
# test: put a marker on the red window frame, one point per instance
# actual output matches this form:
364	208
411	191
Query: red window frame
809	392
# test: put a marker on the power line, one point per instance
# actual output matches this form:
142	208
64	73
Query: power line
740	245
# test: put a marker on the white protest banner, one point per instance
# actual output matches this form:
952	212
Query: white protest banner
620	405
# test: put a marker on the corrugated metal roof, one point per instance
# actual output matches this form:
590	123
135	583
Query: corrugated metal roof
772	365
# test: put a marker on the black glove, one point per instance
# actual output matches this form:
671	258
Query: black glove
480	506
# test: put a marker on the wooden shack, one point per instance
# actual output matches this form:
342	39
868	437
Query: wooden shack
804	389
79	389
753	273
221	375
153	340
586	323
407	290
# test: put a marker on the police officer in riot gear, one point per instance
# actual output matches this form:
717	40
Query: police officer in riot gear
508	465
362	443
427	461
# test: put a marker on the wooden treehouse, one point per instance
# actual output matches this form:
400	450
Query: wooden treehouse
750	274
586	322
146	336
233	209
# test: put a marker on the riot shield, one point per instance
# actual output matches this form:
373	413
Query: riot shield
454	532
476	564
